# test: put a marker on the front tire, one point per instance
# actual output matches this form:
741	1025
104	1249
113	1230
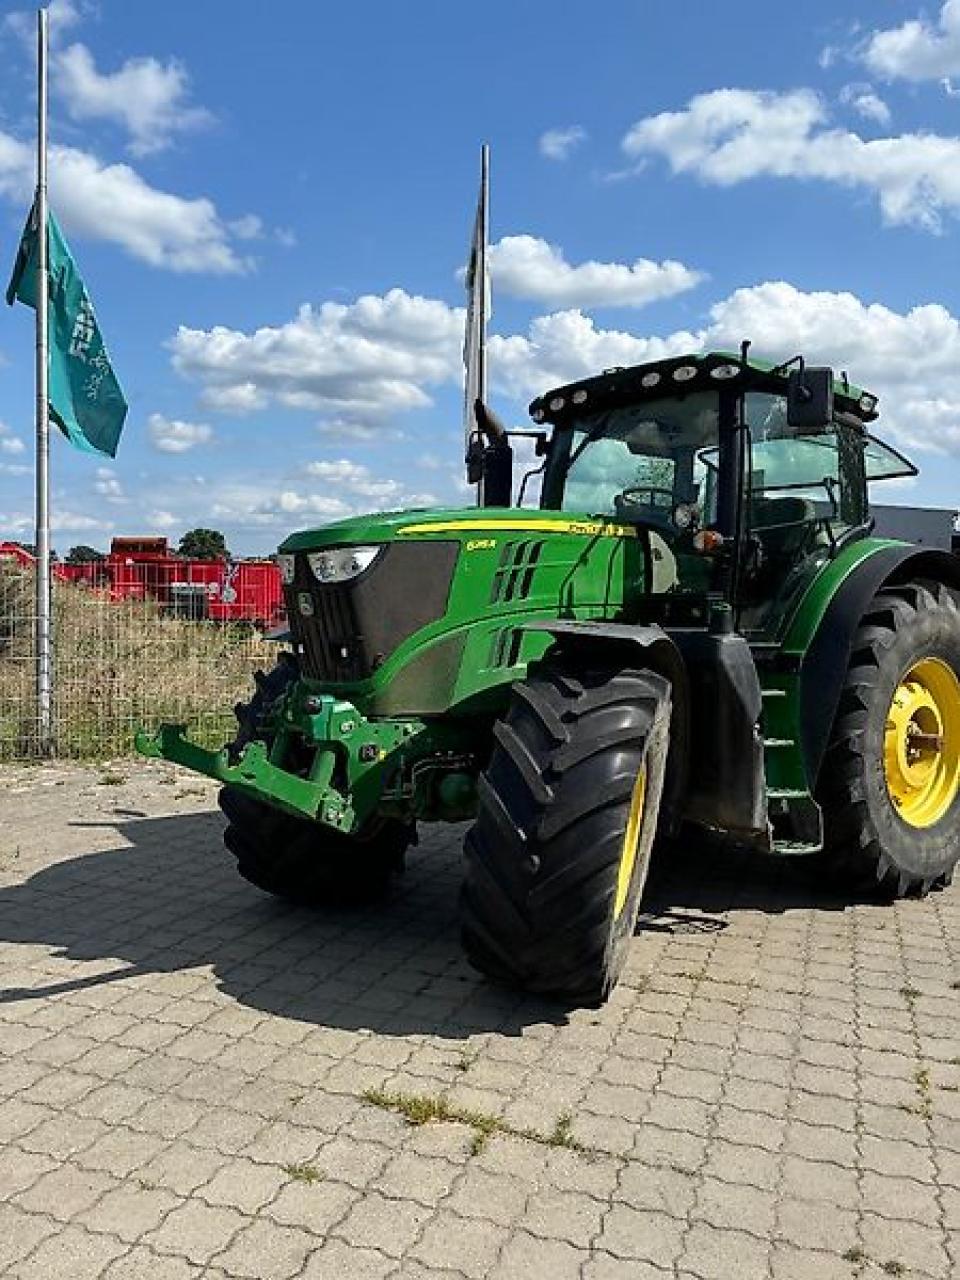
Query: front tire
890	787
291	857
558	857
305	862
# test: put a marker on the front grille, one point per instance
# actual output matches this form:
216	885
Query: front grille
350	628
332	645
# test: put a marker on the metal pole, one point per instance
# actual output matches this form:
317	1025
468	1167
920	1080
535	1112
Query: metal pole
482	269
44	665
483	220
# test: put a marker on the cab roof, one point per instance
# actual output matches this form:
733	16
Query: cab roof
678	374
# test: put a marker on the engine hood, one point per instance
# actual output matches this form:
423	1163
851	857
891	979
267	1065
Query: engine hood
457	523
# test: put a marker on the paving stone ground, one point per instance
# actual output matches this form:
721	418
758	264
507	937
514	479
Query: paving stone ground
772	1092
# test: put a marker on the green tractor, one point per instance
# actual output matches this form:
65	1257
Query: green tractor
695	630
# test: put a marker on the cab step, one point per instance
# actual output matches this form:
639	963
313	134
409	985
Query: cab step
796	848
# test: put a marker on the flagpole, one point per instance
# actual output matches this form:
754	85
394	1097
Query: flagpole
482	268
44	671
480	274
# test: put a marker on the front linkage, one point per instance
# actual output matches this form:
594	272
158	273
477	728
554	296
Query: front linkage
317	757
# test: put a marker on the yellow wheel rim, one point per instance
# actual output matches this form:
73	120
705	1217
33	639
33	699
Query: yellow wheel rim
921	743
631	843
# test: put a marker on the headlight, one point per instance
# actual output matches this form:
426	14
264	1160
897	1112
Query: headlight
287	564
341	563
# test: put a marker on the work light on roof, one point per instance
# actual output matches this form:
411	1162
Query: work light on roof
684	373
557	403
538	415
579	396
724	371
868	402
650	379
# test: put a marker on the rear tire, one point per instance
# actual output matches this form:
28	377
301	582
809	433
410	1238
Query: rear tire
890	782
292	857
558	857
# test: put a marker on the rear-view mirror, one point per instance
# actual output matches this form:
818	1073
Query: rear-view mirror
810	398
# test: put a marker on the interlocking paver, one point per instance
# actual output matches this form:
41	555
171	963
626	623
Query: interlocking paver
648	1236
379	1222
817	1225
65	1192
710	1252
71	1254
196	1230
527	1255
468	1246
130	1211
182	1063
264	1250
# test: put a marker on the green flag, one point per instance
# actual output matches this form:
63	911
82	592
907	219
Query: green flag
86	401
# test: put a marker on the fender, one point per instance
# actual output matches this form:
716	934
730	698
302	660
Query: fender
822	631
653	649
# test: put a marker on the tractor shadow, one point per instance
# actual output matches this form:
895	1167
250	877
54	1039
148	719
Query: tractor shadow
171	901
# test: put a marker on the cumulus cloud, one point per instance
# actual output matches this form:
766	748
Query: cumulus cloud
731	135
557	144
528	267
568	345
276	506
866	102
355	431
10	444
61	15
113	202
917	49
364	361
355	478
171	435
910	359
107	485
148	98
62	520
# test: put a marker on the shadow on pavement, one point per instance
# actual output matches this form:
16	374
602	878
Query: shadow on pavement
172	901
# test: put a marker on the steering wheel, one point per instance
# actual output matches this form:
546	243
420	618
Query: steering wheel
642	496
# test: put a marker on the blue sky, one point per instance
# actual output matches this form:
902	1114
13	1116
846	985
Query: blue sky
270	214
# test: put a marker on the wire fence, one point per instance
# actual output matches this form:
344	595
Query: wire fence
130	650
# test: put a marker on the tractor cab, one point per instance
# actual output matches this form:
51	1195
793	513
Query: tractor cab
742	478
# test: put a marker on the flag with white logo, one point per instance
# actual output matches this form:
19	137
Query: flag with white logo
85	398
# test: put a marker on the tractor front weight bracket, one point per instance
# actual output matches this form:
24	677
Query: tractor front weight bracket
349	750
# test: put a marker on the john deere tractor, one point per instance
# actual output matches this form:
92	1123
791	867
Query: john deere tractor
694	630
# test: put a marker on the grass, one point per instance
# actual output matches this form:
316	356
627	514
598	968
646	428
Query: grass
303	1173
119	665
910	993
924	1104
422	1108
893	1268
855	1255
562	1135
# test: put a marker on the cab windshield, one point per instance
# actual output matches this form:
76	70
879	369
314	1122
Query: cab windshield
637	462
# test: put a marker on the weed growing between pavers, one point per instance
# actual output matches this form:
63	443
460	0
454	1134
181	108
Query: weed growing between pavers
303	1173
924	1105
418	1109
